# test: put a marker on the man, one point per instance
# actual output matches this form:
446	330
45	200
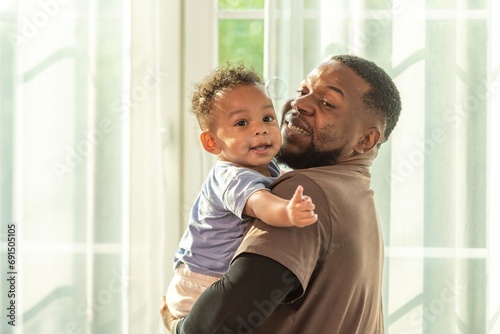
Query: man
327	277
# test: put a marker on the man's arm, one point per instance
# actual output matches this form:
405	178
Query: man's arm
246	296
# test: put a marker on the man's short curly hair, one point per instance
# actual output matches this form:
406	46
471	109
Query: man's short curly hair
383	97
222	78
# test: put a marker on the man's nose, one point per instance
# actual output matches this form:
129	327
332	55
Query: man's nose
302	105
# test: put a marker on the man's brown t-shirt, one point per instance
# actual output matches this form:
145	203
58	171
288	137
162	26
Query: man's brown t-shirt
338	260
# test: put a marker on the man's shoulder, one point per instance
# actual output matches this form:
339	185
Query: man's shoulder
324	175
287	183
309	175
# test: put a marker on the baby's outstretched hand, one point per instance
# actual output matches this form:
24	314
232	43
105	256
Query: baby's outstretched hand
300	209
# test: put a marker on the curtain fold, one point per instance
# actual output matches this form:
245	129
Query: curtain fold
155	158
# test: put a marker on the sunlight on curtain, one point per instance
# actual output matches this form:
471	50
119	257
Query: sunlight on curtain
433	185
68	166
76	109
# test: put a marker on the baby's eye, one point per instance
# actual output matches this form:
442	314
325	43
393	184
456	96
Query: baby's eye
241	123
268	118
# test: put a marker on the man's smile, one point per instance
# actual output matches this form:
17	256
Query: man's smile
294	124
297	129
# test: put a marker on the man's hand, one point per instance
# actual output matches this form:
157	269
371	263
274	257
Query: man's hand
300	209
167	317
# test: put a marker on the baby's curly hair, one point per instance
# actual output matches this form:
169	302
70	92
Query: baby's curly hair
223	78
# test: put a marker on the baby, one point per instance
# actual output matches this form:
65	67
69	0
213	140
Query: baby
239	125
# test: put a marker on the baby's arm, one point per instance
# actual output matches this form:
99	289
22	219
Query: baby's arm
276	211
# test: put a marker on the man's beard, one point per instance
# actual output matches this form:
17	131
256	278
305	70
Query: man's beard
310	157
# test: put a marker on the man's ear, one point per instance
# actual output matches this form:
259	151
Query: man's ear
370	139
208	142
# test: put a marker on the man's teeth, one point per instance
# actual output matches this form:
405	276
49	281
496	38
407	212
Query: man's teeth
297	129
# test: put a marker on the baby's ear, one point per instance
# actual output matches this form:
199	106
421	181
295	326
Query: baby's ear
208	142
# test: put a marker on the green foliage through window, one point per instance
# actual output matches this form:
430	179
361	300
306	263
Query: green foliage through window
242	40
241	4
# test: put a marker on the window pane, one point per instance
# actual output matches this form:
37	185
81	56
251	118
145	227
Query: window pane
239	4
311	4
242	40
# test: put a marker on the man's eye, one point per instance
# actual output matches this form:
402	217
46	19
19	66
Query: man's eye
268	119
300	92
326	104
241	123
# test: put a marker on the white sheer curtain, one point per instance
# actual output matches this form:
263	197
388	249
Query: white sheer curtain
90	162
100	159
156	155
435	179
